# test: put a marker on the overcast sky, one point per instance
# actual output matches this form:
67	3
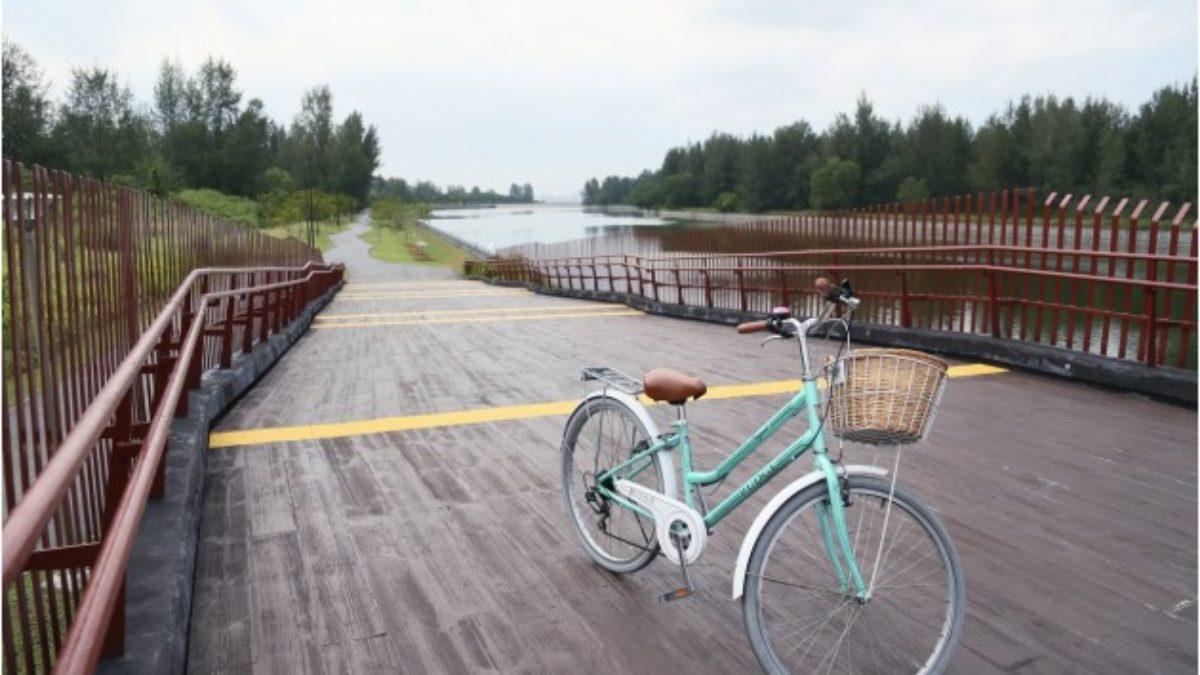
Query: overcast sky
552	92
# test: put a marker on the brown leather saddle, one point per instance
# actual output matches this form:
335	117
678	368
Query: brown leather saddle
672	386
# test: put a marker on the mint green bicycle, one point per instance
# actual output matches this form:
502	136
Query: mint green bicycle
842	571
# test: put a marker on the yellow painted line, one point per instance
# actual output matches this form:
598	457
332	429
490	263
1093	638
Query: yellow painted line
486	319
229	439
974	370
489	310
421	284
790	386
417	295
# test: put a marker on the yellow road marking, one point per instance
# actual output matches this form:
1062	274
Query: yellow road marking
448	283
491	310
485	319
416	295
229	439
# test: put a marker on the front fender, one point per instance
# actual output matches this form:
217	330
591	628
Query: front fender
776	503
666	464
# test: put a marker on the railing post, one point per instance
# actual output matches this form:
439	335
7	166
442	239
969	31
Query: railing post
248	330
227	327
654	282
783	289
708	301
181	409
195	367
128	263
280	308
264	328
114	639
1151	329
905	302
993	303
123	449
741	288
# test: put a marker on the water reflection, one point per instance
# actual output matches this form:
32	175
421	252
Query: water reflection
496	229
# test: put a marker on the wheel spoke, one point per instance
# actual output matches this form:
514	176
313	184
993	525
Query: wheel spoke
803	625
604	435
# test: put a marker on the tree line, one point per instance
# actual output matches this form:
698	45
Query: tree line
426	192
198	135
1043	142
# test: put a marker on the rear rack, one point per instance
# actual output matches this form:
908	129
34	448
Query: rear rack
613	378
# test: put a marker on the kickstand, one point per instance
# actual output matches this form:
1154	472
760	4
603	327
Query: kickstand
679	593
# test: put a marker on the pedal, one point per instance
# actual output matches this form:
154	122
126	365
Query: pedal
679	593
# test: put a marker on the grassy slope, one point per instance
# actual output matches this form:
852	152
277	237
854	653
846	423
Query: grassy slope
296	230
391	245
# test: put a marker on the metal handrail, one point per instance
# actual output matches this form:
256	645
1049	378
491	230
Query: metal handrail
30	516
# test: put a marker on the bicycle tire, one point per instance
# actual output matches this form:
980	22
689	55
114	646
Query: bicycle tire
627	542
927	638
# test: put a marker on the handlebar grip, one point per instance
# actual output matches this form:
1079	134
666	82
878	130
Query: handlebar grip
752	327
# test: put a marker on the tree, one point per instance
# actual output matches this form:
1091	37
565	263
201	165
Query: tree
794	152
312	136
355	157
99	130
591	192
995	156
835	184
937	150
245	152
1162	143
912	190
721	155
679	190
26	109
757	183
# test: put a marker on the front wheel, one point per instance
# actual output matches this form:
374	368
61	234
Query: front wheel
798	618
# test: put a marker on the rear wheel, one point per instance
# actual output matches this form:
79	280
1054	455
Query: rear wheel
601	434
800	621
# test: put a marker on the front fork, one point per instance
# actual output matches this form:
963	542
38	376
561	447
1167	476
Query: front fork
832	517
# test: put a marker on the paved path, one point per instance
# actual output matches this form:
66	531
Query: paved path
445	548
349	248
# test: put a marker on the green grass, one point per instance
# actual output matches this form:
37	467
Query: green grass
297	230
391	245
60	603
238	209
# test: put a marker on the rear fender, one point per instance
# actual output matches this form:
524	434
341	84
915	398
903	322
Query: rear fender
635	406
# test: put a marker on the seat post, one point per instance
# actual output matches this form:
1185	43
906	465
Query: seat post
681	412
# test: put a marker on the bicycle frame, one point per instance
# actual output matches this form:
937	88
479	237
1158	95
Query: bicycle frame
806	400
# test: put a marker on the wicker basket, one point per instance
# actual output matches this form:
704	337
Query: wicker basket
885	396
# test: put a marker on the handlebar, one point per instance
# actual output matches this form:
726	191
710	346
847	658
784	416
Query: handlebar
752	327
781	322
781	316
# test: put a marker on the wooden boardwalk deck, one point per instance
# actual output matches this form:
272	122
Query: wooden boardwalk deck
447	549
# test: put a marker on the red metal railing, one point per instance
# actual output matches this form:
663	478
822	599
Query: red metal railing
1081	277
107	325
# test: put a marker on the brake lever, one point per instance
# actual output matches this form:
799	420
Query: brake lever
773	337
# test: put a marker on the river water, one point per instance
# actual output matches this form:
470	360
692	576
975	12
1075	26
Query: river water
493	229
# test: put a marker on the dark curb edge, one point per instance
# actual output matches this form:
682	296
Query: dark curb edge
162	566
1171	384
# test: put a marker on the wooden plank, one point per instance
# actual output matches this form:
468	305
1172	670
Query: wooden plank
448	550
